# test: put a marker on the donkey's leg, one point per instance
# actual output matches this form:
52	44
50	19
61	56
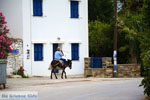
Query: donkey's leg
65	74
55	74
52	73
62	74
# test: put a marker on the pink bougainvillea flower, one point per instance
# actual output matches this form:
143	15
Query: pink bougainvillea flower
5	27
1	13
5	41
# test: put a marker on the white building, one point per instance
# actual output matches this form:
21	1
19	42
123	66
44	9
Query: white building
45	24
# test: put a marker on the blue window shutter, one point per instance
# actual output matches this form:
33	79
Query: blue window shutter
71	9
35	53
75	51
34	8
38	52
74	9
37	7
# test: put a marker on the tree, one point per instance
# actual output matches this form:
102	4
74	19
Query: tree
102	10
129	28
145	47
100	33
144	37
100	39
132	6
146	13
133	29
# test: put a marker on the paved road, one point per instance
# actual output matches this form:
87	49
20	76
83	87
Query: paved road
80	89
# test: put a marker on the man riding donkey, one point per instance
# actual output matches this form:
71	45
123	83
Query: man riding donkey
59	63
59	54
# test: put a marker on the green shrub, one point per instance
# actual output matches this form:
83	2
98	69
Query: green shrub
146	82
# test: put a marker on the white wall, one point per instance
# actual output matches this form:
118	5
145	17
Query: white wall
27	36
12	9
54	23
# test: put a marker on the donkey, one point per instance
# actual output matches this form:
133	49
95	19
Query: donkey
59	65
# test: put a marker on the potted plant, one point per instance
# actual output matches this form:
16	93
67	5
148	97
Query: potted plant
5	49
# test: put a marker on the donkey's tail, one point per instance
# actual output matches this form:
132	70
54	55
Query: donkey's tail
50	67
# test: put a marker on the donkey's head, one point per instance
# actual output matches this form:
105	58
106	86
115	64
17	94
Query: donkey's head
69	63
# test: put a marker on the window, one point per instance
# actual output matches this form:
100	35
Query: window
74	9
38	52
37	7
75	51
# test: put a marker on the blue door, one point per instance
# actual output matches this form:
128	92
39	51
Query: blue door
55	45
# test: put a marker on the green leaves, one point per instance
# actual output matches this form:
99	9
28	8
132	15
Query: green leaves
102	10
133	29
128	36
132	6
146	13
146	82
100	39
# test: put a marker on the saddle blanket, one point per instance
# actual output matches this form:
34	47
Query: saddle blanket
57	67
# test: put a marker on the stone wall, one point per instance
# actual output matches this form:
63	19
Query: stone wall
15	61
106	62
104	72
128	70
124	70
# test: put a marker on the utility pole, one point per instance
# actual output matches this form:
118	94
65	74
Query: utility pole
115	41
